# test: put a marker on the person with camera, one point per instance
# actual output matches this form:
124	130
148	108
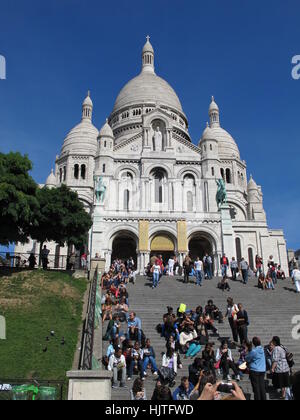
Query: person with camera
225	362
256	361
138	392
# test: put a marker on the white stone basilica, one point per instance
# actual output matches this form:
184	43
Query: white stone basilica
150	190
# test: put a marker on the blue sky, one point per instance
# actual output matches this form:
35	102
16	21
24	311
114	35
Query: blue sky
239	51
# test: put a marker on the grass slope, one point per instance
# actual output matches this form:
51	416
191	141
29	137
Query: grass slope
35	303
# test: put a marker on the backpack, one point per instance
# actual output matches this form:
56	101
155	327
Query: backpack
289	357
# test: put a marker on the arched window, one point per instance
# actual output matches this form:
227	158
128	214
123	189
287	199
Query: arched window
76	171
213	171
126	200
250	258
211	148
228	176
65	173
190	202
159	177
238	250
83	171
223	174
60	175
104	168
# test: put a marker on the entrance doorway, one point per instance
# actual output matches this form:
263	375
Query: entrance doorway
199	246
124	246
163	245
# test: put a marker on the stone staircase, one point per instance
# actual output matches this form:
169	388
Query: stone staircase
270	313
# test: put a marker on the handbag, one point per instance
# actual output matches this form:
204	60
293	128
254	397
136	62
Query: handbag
166	374
217	365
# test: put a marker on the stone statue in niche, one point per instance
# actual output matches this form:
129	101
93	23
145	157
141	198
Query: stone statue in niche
158	140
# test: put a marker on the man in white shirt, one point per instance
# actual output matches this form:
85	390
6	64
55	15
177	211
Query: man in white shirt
296	278
117	363
198	270
171	266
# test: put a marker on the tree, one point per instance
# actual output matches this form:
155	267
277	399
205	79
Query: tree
18	202
61	217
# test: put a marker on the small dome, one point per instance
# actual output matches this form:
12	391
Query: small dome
88	101
213	106
106	131
252	184
51	180
81	139
148	47
226	144
207	133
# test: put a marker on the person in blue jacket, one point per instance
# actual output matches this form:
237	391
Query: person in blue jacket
256	361
183	392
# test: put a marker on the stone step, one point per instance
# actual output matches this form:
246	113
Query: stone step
270	314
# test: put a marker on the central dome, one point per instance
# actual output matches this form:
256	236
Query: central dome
147	88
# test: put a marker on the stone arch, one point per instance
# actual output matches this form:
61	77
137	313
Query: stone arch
124	244
190	171
201	242
207	232
163	243
158	166
126	168
237	204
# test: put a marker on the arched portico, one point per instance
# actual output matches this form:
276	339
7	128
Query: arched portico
164	244
124	244
201	243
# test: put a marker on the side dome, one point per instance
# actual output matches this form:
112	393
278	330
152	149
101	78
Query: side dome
227	145
82	139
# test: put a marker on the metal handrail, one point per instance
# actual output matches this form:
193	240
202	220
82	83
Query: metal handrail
87	348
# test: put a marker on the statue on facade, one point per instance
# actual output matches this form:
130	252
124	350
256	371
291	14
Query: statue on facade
221	193
158	140
100	189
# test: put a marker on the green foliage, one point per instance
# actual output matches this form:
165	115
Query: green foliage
61	217
43	214
18	203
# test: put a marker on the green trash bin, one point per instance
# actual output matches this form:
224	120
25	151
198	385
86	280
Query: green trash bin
20	393
47	393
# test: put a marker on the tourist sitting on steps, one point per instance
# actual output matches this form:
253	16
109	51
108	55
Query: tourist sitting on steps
225	362
149	359
117	365
134	330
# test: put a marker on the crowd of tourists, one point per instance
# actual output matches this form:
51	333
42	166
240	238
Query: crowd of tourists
200	270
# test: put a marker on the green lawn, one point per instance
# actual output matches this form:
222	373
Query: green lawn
35	303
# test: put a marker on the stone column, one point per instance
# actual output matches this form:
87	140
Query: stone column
182	242
227	232
143	243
